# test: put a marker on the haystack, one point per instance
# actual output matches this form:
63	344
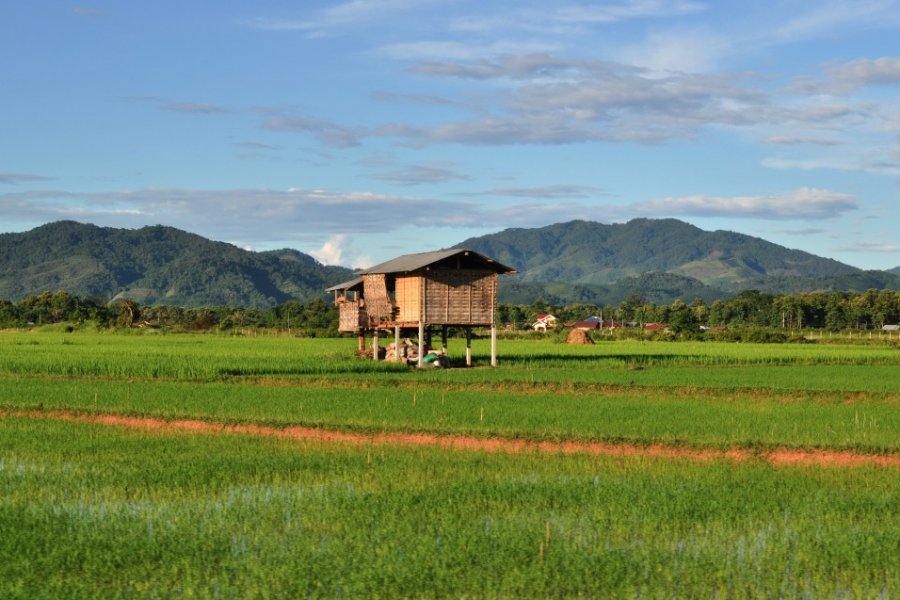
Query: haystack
579	337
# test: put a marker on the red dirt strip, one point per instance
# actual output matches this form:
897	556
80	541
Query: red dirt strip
782	456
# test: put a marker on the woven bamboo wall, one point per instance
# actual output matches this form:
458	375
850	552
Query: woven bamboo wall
352	317
378	303
460	297
408	297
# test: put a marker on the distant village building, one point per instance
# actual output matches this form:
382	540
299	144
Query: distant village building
447	288
588	324
543	322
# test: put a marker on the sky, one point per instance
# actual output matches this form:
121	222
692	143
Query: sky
359	130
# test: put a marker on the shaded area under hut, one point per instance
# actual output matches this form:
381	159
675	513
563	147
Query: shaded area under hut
447	288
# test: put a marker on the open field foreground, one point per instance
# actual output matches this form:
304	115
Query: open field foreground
228	467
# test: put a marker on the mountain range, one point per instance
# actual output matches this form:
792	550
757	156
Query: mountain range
578	261
155	265
659	259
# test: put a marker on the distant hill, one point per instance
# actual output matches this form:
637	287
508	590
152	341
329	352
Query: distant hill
579	261
611	262
895	270
156	264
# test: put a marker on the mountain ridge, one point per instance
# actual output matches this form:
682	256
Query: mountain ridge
572	262
610	260
155	264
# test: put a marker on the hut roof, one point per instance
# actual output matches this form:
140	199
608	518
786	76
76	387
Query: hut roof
414	262
345	285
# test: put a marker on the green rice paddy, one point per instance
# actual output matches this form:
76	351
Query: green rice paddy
90	511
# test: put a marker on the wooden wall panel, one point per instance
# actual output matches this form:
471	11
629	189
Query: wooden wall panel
408	297
460	297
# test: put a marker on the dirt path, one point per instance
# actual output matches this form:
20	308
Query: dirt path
781	456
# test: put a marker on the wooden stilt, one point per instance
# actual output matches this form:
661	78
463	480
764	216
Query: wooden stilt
444	339
493	346
375	346
361	342
421	358
468	346
397	353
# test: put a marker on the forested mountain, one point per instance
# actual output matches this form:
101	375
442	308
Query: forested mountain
155	265
579	261
895	270
613	261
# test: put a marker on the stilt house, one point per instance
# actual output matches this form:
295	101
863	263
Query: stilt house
447	288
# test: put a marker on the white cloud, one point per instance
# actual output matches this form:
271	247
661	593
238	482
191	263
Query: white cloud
864	71
828	16
332	251
871	247
883	164
676	51
804	203
546	99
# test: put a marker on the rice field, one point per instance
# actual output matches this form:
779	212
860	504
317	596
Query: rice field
91	510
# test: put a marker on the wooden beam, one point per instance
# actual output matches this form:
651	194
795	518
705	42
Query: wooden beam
468	346
421	358
422	313
493	346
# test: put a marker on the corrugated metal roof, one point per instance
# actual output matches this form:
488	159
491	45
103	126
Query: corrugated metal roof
346	285
414	262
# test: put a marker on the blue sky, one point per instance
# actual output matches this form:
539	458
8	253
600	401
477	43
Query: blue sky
359	130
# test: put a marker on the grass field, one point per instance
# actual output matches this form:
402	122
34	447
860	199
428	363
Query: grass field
90	510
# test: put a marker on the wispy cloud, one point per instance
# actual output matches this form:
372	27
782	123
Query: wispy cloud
620	11
421	174
864	71
329	133
317	215
17	178
198	108
256	146
547	192
828	16
793	140
424	99
195	108
803	232
277	214
548	99
340	15
871	247
883	164
803	203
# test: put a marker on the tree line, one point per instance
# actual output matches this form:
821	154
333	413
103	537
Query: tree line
314	318
831	311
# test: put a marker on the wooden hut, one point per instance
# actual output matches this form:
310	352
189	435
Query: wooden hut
447	288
